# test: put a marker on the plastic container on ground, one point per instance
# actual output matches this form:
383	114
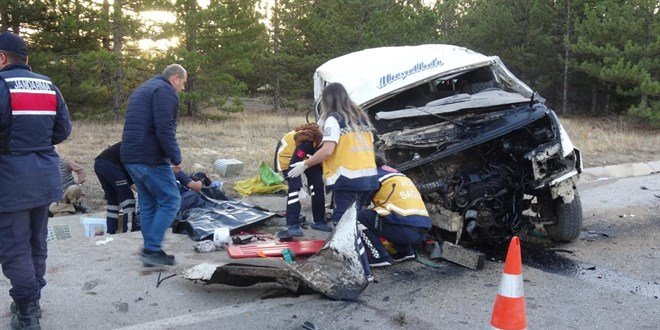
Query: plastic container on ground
228	167
94	226
221	236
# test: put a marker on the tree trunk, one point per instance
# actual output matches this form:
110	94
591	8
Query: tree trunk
8	19
567	39
594	99
4	16
191	104
606	108
105	39
106	74
117	46
277	98
191	40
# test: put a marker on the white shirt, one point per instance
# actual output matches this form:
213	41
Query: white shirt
331	129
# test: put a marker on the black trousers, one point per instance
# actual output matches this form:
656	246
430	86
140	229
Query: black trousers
23	251
314	177
402	237
118	193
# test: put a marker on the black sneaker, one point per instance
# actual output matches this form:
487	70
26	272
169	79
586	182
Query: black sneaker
399	257
289	234
283	235
156	258
322	226
380	262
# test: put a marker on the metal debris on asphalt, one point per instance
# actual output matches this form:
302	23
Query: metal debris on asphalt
208	246
159	281
563	250
105	241
335	270
308	326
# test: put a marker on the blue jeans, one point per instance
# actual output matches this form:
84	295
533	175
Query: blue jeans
158	200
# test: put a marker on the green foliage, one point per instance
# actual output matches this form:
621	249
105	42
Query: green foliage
219	47
16	15
618	46
312	32
230	48
524	34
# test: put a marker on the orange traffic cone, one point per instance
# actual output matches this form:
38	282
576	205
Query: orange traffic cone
509	310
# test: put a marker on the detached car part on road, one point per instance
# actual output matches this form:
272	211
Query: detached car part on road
334	271
488	156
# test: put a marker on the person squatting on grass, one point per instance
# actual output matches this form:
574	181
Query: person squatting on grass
73	197
398	215
347	154
151	154
118	189
33	118
294	147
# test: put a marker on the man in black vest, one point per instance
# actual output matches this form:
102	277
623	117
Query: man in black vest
33	118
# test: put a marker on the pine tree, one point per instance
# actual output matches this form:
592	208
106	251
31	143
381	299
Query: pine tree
220	43
312	32
618	45
524	34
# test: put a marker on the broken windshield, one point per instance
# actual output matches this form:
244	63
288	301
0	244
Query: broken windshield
487	98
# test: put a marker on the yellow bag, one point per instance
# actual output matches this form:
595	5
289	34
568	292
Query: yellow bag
267	182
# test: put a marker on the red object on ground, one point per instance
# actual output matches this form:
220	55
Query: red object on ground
274	249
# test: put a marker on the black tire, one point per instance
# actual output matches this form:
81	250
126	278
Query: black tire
568	220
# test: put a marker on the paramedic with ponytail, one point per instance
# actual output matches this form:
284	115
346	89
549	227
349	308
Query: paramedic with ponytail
347	151
347	154
294	147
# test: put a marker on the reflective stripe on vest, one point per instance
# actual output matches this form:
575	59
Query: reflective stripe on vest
32	96
285	151
353	157
398	194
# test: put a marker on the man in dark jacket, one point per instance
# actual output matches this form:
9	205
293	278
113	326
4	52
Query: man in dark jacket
150	153
33	118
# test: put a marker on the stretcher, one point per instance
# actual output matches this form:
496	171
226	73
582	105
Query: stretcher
274	249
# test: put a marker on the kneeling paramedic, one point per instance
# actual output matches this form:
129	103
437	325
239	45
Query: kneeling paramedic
398	215
294	147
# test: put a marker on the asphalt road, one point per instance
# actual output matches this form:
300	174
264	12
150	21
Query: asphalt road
608	279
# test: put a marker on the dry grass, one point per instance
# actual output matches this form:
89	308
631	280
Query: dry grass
251	137
248	137
606	141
